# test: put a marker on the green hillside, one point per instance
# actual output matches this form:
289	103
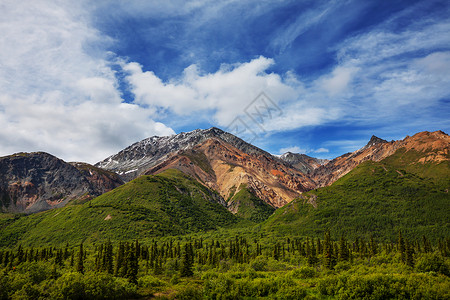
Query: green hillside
250	207
170	203
376	198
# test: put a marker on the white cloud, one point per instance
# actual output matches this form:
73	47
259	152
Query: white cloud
303	22
321	150
226	92
339	80
58	92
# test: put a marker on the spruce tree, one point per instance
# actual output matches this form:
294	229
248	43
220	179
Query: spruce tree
72	258
328	251
343	249
80	262
401	246
187	261
409	252
132	264
373	247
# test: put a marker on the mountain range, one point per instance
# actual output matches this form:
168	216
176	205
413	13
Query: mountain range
33	182
224	171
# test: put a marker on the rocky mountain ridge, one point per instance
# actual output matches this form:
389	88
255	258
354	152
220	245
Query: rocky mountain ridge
32	182
137	158
434	145
223	162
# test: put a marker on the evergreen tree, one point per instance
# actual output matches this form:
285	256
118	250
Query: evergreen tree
373	247
328	256
80	262
107	258
72	258
20	254
409	252
343	249
426	245
132	264
59	258
187	261
401	246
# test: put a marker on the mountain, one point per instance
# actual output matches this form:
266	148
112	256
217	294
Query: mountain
217	159
170	203
396	185
302	162
31	182
378	149
137	158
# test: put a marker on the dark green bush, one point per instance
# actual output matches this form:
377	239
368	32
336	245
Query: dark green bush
74	285
303	273
432	262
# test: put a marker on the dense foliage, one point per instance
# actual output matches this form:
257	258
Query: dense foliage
238	268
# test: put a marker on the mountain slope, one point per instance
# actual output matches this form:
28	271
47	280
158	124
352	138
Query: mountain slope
31	182
223	167
246	205
408	190
170	203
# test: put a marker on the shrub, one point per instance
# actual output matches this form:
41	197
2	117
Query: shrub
149	281
303	273
433	262
342	266
293	292
74	285
259	264
189	293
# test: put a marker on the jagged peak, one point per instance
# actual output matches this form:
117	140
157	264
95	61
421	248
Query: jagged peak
374	140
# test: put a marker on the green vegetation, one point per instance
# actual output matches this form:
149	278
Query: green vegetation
380	232
237	268
170	203
249	206
376	198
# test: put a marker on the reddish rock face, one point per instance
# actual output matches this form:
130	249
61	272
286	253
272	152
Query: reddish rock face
225	168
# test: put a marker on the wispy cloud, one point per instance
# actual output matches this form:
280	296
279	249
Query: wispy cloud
58	92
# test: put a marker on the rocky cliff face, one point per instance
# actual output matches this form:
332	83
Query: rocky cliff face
31	182
101	181
434	145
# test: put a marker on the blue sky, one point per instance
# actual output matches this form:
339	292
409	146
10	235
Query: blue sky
84	80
